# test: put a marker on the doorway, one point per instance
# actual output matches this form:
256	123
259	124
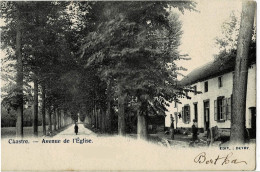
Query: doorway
206	115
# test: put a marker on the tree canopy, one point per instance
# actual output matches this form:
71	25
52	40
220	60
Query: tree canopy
96	58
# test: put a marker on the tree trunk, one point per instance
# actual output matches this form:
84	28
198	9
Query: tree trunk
61	122
50	120
43	110
93	118
19	81
63	117
58	118
103	120
142	132
35	106
121	112
54	119
108	126
66	117
241	72
96	117
100	119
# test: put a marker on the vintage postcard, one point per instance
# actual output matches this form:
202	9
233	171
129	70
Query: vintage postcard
128	85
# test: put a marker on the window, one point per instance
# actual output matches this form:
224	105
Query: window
222	109
220	84
186	114
206	86
195	89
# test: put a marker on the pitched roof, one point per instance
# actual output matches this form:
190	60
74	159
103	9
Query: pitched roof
212	69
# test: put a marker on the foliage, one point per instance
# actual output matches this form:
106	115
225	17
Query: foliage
135	46
227	41
82	52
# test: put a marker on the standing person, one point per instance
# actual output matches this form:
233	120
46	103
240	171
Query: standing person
76	128
194	130
172	128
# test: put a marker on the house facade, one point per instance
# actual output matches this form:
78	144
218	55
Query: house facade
210	103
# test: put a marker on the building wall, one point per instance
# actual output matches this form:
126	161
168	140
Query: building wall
213	92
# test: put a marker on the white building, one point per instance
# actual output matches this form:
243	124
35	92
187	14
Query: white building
212	107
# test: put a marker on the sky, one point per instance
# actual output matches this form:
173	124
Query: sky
200	30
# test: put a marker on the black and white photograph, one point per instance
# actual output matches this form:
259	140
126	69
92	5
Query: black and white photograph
128	85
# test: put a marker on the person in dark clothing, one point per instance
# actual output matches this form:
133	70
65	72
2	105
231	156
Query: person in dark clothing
195	130
172	128
76	128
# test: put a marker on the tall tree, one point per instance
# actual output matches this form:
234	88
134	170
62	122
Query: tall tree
43	109
13	39
50	119
35	107
19	81
41	27
241	73
134	44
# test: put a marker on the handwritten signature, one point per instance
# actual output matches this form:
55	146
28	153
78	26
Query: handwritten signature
202	158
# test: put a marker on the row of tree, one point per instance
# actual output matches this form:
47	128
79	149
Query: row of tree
101	59
92	58
35	36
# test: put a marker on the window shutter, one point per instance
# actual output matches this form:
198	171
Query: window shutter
215	110
229	109
182	114
224	103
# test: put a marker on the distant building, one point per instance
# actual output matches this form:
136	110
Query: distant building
212	107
